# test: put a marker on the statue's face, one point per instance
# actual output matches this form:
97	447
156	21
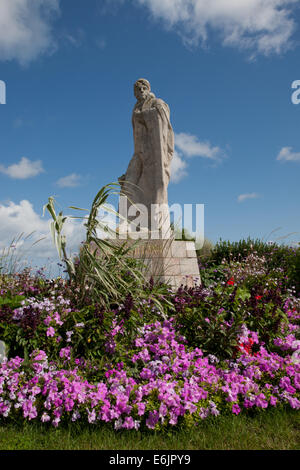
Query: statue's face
141	91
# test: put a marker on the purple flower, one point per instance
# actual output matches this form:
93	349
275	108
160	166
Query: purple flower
152	419
141	408
65	353
273	400
294	402
50	331
236	409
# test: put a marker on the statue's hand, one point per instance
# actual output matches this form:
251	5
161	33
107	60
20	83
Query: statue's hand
121	180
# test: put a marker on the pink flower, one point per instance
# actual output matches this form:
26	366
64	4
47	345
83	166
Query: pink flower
273	400
40	355
47	320
65	353
50	331
236	409
152	419
57	319
141	408
128	423
294	403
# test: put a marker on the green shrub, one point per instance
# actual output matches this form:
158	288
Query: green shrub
205	252
281	257
211	319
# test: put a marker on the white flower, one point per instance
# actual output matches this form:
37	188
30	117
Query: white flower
118	424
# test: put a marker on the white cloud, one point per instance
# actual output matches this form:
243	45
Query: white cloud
190	146
17	219
287	154
243	197
70	181
178	168
21	218
262	26
25	28
23	170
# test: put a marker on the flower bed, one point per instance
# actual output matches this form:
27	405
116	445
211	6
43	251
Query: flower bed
231	347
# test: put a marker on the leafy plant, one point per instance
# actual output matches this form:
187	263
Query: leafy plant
103	272
277	257
11	256
211	319
204	253
11	301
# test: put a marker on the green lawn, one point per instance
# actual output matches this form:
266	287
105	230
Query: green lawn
269	430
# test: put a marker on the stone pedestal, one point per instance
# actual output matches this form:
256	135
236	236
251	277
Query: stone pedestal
176	264
170	261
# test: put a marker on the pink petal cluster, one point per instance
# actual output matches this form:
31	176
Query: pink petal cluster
175	383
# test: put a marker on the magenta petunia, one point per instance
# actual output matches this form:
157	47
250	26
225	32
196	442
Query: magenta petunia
50	331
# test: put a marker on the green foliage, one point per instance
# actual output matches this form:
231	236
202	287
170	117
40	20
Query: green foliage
204	253
111	298
277	257
293	269
11	301
182	234
103	264
276	429
211	275
212	320
97	333
59	239
11	256
22	340
11	334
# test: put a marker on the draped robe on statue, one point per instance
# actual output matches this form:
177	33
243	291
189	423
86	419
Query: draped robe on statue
148	174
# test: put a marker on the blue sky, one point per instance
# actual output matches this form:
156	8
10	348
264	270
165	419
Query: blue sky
226	70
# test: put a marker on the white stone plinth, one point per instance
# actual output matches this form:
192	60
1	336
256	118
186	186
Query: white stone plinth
169	261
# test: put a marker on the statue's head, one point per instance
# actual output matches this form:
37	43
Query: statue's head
142	89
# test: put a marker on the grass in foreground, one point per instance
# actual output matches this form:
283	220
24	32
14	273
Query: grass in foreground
270	430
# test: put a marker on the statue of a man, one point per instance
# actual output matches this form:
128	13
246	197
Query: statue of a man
148	173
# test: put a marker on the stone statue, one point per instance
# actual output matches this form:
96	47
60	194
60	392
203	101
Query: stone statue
147	177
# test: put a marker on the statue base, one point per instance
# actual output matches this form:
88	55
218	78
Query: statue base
169	261
175	263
